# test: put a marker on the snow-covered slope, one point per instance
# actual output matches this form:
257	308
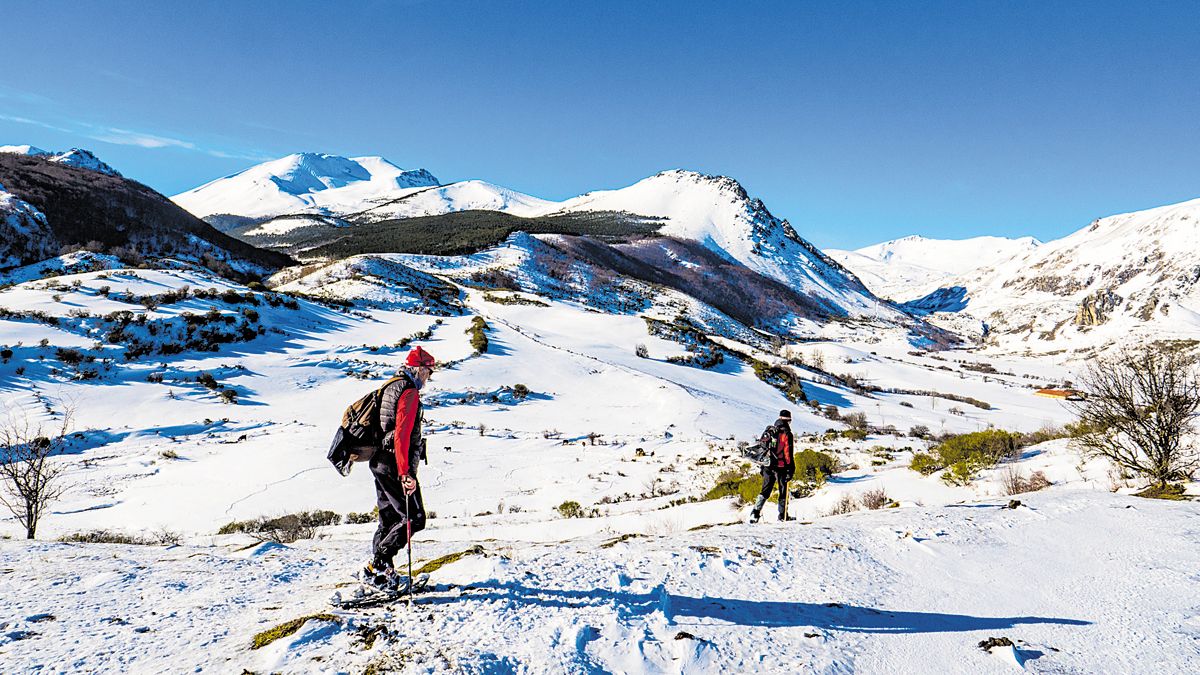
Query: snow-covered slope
199	402
911	267
468	195
1076	581
24	233
1125	277
305	183
77	157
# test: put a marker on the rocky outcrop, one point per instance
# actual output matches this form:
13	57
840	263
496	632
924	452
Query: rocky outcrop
1096	308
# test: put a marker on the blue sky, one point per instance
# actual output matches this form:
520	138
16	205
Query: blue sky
857	121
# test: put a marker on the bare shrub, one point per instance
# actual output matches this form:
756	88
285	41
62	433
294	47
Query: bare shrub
1139	411
1038	481
1011	480
1014	482
284	529
29	480
875	499
846	504
641	351
856	420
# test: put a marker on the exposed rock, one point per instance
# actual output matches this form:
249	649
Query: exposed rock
1094	309
988	644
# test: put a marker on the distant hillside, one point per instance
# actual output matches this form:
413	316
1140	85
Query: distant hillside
454	233
1128	277
105	212
911	267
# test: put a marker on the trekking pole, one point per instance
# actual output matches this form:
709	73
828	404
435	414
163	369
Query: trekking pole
408	545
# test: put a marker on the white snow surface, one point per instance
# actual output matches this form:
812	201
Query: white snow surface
305	182
1080	579
911	267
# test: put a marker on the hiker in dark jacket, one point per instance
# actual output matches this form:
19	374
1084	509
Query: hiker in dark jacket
782	468
397	492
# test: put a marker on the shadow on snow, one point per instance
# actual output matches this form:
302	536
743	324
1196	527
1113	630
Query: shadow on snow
849	618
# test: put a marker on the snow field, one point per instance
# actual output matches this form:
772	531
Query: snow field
1080	581
919	585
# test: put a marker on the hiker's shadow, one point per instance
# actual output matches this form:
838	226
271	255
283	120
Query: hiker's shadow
772	613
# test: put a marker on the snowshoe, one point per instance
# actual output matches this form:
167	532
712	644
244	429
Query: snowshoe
369	595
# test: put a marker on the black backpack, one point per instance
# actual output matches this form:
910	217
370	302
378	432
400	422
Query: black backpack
762	452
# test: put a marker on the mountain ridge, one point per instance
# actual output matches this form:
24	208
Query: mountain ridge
716	211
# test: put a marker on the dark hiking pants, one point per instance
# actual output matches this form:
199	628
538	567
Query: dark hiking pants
772	475
392	534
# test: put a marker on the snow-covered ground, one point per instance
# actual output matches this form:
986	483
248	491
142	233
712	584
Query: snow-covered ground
1080	579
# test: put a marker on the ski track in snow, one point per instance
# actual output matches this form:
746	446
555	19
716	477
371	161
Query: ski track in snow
272	484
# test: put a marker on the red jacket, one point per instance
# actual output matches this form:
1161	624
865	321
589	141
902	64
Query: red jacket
400	417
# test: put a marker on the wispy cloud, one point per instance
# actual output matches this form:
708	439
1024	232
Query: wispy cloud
142	140
36	123
21	96
254	155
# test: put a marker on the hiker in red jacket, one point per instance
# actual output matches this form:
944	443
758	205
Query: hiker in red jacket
782	468
401	509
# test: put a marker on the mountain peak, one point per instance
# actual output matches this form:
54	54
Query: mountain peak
84	159
24	150
305	182
76	157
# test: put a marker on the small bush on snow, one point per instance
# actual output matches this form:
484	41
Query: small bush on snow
846	504
965	455
284	529
875	499
1014	483
362	518
160	538
572	509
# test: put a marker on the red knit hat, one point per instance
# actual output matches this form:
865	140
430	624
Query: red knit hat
419	358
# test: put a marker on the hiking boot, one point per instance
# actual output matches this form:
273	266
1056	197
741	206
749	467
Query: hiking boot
754	516
381	575
786	518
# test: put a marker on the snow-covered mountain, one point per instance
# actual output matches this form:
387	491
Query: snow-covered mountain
77	157
718	212
283	196
1129	276
68	200
305	182
911	267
